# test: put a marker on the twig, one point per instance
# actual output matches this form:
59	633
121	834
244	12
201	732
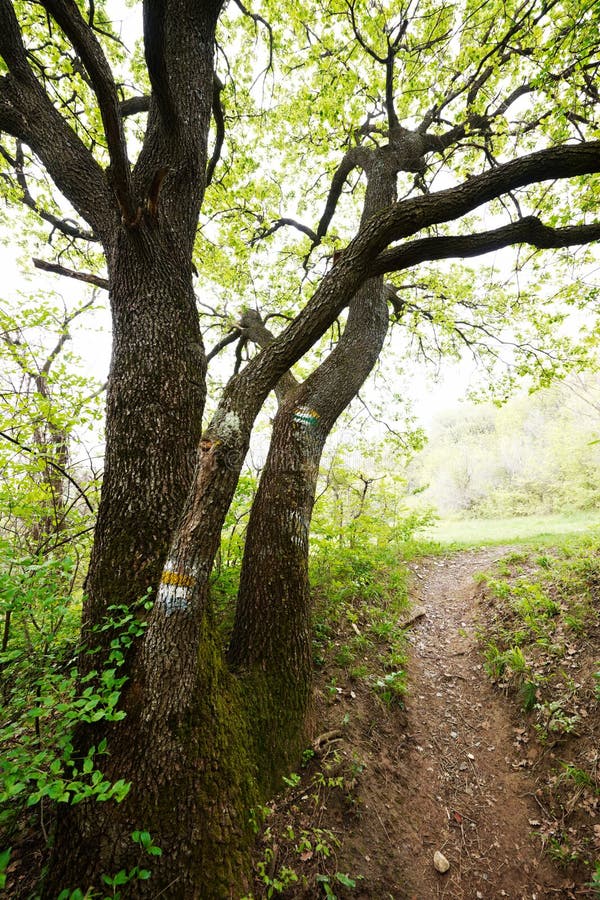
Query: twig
50	462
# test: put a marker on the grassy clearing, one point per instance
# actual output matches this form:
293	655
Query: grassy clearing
541	529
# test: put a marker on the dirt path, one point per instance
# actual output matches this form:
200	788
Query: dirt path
463	791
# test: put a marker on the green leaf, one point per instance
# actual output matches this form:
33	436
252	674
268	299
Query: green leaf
345	880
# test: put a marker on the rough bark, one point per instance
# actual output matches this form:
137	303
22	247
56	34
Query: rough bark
187	768
192	777
155	400
271	640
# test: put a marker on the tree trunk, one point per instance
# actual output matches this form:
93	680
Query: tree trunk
271	640
197	744
155	400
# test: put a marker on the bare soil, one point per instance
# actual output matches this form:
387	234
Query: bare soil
463	790
446	773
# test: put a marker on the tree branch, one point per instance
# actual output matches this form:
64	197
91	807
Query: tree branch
134	105
357	34
228	339
57	269
409	216
529	230
259	20
67	15
357	156
217	110
27	113
473	84
398	221
67	228
281	223
255	330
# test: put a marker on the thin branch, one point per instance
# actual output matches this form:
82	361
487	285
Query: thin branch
357	156
281	223
65	336
518	92
238	353
473	84
69	539
94	394
357	34
228	339
259	20
393	47
50	462
57	269
217	110
65	226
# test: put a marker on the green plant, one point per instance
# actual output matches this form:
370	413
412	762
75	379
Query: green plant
38	760
528	693
278	882
326	881
391	687
514	658
555	719
257	817
292	780
494	661
4	861
560	850
345	656
136	873
595	882
579	777
307	756
121	878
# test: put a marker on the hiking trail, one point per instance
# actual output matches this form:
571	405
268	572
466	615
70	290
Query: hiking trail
457	784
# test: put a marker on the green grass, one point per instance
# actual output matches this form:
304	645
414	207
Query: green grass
476	532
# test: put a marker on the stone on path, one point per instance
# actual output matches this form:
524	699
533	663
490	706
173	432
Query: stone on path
440	862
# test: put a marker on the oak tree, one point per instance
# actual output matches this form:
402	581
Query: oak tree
404	125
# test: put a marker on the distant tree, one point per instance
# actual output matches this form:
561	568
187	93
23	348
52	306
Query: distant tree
47	494
42	399
536	454
454	109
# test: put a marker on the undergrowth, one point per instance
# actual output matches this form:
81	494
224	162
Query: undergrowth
360	603
541	640
359	577
45	699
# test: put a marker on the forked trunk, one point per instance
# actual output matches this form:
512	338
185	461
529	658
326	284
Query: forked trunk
176	757
271	639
